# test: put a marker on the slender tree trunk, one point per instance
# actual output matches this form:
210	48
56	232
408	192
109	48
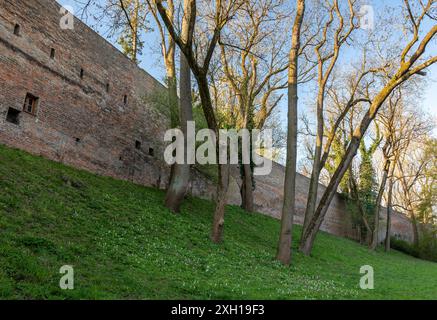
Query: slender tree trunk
247	173
135	32
285	238
318	164
219	213
222	169
364	237
169	53
389	213
180	177
375	232
172	100
328	195
317	220
172	91
247	188
181	172
315	174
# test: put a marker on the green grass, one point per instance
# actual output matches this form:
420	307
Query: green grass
124	244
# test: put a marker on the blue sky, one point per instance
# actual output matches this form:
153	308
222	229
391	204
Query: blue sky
151	61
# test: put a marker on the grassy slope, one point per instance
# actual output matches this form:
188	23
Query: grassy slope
124	244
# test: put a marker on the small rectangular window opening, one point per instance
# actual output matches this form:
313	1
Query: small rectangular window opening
137	145
52	53
125	99
77	140
13	116
107	87
30	104
17	30
151	152
81	73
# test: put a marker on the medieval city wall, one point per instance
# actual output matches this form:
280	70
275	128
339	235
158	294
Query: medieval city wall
92	112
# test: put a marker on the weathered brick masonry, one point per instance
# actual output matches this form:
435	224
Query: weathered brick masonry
90	111
82	117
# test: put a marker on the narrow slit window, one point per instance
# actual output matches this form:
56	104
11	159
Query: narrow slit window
107	87
137	145
13	116
81	73
17	30
125	99
52	53
30	104
151	152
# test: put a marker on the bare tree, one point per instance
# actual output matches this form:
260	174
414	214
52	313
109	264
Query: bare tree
327	54
288	208
199	63
180	175
254	61
411	63
128	20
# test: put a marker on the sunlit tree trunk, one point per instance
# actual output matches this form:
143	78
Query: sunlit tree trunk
135	31
288	208
180	177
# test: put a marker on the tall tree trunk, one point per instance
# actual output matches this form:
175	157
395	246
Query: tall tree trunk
315	174
222	169
288	208
389	213
135	32
375	232
180	177
169	53
247	188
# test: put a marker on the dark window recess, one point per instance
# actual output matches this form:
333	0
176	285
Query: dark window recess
13	116
17	30
30	104
81	73
107	87
77	140
125	99
52	53
137	145
151	152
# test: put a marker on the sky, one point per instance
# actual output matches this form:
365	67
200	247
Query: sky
151	61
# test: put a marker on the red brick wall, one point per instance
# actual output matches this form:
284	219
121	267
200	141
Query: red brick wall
72	108
268	199
269	195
